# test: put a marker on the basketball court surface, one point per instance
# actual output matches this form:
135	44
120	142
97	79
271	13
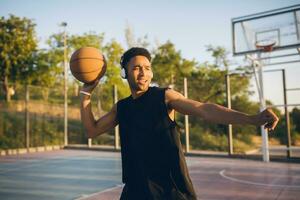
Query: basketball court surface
87	175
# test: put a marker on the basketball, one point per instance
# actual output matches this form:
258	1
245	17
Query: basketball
87	64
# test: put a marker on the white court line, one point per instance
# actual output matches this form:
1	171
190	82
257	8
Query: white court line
222	173
97	193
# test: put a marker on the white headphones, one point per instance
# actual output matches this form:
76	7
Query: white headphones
123	73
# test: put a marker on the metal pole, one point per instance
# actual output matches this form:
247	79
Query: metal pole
229	128
65	87
27	137
264	133
117	145
89	142
259	84
186	121
287	117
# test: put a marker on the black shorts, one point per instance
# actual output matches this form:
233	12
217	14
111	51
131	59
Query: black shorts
131	192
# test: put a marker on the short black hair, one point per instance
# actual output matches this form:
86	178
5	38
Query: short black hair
132	52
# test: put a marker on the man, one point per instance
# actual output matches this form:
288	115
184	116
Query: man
153	162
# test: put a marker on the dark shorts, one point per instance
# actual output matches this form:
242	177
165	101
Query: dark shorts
153	192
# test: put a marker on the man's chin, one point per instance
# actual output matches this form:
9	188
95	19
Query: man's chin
143	87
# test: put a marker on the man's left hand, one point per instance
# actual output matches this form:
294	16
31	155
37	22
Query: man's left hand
268	119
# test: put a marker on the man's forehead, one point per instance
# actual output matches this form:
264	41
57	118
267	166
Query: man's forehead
139	60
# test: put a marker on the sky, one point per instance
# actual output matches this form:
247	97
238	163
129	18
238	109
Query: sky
190	24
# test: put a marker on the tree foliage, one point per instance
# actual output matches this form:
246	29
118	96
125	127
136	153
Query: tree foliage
113	52
18	49
22	62
296	119
169	67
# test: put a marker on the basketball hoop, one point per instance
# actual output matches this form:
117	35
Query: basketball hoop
265	45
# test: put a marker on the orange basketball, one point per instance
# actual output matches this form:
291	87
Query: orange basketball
87	64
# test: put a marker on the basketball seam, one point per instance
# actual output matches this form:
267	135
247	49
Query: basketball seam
86	72
86	58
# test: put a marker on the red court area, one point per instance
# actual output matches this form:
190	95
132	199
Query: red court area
89	175
233	179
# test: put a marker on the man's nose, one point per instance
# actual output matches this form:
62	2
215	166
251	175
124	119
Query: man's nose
142	71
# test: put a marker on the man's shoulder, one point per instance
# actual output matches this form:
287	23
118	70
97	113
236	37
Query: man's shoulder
159	89
124	100
171	95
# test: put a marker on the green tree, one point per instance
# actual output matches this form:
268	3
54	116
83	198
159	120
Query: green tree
45	74
220	55
169	67
18	50
113	52
295	114
207	84
90	39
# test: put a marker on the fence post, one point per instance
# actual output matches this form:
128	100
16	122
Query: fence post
117	145
229	128
27	130
287	118
186	120
65	90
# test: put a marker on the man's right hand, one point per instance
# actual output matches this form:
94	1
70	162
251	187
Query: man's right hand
89	87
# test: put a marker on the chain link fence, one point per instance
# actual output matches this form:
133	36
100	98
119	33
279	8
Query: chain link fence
34	117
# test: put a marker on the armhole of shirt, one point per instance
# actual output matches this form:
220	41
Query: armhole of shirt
118	110
166	109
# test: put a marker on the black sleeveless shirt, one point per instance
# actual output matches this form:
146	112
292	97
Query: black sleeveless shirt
153	163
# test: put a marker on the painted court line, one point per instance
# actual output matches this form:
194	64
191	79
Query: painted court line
222	173
97	193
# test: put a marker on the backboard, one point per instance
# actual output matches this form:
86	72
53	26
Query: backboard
280	26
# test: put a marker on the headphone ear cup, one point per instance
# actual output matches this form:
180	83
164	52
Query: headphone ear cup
123	73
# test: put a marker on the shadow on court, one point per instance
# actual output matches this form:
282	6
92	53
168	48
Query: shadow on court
75	174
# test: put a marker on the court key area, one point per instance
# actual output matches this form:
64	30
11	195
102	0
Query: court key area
89	175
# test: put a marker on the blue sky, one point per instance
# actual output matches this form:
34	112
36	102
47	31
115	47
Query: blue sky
189	24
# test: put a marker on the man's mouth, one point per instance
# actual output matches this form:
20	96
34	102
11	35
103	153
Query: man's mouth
142	81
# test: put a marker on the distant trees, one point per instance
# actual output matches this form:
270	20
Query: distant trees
296	119
170	67
21	62
18	52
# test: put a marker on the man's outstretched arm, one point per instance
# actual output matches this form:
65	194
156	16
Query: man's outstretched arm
218	114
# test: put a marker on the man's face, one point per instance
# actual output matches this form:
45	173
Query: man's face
139	73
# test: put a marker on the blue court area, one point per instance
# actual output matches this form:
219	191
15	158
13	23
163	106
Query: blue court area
63	174
91	175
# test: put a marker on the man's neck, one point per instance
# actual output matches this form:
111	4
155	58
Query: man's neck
137	93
